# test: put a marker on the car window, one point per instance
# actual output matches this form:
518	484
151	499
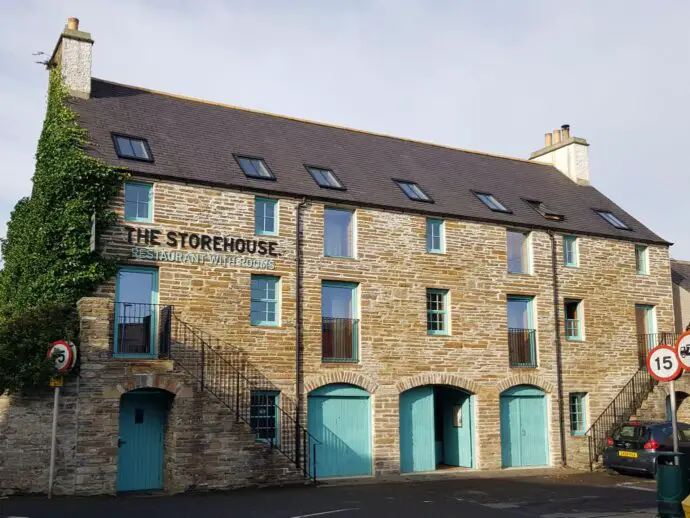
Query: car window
684	434
626	432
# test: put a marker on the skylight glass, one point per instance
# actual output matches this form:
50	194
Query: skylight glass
325	178
413	191
613	220
255	167
491	202
132	147
545	211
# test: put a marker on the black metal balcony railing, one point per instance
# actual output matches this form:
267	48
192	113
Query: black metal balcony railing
522	347
139	329
339	339
648	341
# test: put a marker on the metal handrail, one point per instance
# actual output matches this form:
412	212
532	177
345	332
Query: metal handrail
224	371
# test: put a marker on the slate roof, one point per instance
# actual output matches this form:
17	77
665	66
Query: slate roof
680	273
194	141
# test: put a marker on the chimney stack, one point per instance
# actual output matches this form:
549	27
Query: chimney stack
72	57
567	154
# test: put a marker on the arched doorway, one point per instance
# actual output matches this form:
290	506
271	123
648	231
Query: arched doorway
436	428
143	416
524	437
339	418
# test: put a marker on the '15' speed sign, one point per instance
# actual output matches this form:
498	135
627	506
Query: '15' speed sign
663	364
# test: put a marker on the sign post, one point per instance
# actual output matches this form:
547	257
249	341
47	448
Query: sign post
663	364
64	354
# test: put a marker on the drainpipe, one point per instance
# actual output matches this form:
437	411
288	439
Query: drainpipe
559	353
299	382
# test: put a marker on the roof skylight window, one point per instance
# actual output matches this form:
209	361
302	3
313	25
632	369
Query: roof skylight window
132	147
491	202
545	211
613	220
255	167
413	191
325	178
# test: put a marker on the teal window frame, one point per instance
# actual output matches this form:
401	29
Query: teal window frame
435	230
354	312
570	251
574	327
134	189
261	208
153	352
530	329
642	259
275	440
262	298
577	404
431	312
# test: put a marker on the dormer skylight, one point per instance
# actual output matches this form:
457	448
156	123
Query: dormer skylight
491	202
325	178
254	167
134	148
413	191
613	220
545	211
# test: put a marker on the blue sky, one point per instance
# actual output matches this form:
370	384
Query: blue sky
485	75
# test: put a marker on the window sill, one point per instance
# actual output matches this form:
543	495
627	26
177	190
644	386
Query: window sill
642	274
340	257
517	366
578	434
438	334
571	265
434	252
524	274
125	356
339	360
138	220
269	326
257	234
575	338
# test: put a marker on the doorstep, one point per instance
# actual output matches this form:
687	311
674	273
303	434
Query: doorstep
448	474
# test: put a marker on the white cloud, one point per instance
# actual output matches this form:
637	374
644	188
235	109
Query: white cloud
492	76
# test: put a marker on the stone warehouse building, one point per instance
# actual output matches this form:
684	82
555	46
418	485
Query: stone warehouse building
297	300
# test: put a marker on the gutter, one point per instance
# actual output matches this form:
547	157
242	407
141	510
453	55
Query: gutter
559	352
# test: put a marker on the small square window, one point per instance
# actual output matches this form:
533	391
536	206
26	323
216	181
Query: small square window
435	236
437	312
413	191
491	202
265	295
325	178
545	211
518	244
266	216
573	320
578	413
570	251
613	220
132	147
642	259
138	202
255	167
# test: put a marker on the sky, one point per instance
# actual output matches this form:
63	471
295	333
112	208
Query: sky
486	75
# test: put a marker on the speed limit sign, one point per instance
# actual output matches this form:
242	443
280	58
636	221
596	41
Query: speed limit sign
663	363
683	350
64	354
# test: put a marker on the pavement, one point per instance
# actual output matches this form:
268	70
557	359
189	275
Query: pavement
519	495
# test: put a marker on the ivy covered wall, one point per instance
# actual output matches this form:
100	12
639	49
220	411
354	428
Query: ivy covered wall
48	262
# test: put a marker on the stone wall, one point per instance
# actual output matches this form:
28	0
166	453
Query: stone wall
393	271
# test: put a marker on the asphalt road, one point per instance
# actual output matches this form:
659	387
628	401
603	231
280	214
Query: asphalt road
590	495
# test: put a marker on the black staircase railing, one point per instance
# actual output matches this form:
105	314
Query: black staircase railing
628	401
224	371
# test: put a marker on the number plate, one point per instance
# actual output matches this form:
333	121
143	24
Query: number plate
630	454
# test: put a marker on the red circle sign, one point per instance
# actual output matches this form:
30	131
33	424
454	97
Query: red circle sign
64	355
683	350
663	363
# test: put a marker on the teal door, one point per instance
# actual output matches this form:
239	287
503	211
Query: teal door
457	429
140	456
339	418
523	427
417	430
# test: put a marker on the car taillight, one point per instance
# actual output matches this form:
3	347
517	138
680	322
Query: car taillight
609	441
651	445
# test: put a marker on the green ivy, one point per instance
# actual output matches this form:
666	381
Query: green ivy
48	263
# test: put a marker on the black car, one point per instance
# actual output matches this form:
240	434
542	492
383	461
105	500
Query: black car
634	446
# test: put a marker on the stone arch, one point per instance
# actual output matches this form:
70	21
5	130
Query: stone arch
351	378
437	378
526	379
154	381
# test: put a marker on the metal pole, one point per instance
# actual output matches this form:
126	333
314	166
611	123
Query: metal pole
53	442
674	421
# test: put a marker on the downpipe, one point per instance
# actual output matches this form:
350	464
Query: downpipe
299	382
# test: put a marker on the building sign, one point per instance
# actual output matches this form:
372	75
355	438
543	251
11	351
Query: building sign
185	247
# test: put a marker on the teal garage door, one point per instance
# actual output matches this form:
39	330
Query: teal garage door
340	421
523	427
142	426
417	432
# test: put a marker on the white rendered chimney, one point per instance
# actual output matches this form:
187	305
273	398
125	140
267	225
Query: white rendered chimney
567	154
72	56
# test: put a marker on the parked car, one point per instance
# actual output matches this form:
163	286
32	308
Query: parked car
633	447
